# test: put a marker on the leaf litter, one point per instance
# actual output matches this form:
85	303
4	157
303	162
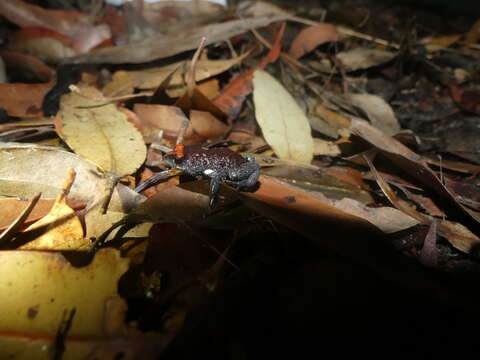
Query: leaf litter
364	127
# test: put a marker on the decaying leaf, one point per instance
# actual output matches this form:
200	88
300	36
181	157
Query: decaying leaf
36	288
284	125
101	134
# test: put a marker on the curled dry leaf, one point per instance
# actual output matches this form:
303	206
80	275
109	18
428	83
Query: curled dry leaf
170	118
36	288
73	24
48	45
102	134
311	37
28	169
284	125
28	64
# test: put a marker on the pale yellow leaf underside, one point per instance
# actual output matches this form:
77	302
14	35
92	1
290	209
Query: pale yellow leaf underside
36	287
284	125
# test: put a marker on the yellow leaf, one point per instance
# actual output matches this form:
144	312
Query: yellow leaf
36	287
100	134
60	229
284	125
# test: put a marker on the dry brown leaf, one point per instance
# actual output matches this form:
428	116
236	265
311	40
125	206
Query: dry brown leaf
47	45
328	122
362	58
163	46
387	219
439	43
73	24
23	100
378	111
102	134
311	37
12	207
123	82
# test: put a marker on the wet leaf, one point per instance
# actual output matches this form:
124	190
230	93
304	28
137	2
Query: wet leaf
102	134
284	125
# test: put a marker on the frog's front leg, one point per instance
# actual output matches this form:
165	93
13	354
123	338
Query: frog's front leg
245	176
214	189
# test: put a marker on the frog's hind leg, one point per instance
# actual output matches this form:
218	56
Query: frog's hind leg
246	176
